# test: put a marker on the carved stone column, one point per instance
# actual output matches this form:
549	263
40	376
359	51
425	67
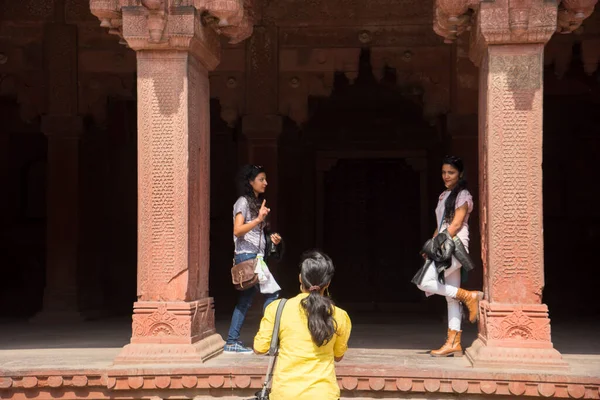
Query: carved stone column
173	319
63	129
507	43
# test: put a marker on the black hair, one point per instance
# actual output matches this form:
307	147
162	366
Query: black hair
246	174
450	205
316	271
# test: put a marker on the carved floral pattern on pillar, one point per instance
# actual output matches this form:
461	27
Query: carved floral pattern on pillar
519	326
571	14
160	323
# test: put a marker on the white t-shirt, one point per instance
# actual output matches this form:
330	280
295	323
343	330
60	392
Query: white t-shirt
249	243
463	197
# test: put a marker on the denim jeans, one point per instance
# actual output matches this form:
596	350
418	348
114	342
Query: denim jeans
244	303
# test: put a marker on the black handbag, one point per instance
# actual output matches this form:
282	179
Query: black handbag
263	394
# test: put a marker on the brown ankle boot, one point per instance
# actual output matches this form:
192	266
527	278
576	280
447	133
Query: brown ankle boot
471	301
451	347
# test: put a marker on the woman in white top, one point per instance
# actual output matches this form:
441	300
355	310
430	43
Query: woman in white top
452	213
252	240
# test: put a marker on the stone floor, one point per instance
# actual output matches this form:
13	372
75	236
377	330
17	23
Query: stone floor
378	341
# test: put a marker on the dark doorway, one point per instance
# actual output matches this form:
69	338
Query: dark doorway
371	231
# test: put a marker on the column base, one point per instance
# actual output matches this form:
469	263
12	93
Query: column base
172	332
482	356
160	353
515	336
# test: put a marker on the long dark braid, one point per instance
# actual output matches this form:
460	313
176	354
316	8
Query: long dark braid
450	204
316	271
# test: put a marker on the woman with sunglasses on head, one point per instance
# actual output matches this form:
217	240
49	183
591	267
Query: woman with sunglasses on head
454	207
252	241
313	334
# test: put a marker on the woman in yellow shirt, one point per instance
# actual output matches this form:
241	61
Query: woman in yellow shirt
313	333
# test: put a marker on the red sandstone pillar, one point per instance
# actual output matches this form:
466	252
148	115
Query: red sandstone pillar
514	326
174	316
173	319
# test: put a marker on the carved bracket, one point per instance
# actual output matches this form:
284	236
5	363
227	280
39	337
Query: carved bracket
452	17
571	14
176	24
232	18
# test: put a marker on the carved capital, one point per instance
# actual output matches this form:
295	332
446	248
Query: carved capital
512	22
176	25
571	14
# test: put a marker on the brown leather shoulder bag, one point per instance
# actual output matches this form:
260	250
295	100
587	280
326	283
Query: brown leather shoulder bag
243	276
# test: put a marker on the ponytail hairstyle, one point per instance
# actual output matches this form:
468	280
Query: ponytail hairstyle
316	271
450	205
246	174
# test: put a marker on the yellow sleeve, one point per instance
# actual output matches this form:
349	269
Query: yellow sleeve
262	340
343	333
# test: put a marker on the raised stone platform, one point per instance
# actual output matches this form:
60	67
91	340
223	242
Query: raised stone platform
385	361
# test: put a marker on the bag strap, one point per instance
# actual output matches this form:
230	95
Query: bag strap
273	350
275	337
442	221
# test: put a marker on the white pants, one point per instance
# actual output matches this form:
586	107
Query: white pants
430	284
